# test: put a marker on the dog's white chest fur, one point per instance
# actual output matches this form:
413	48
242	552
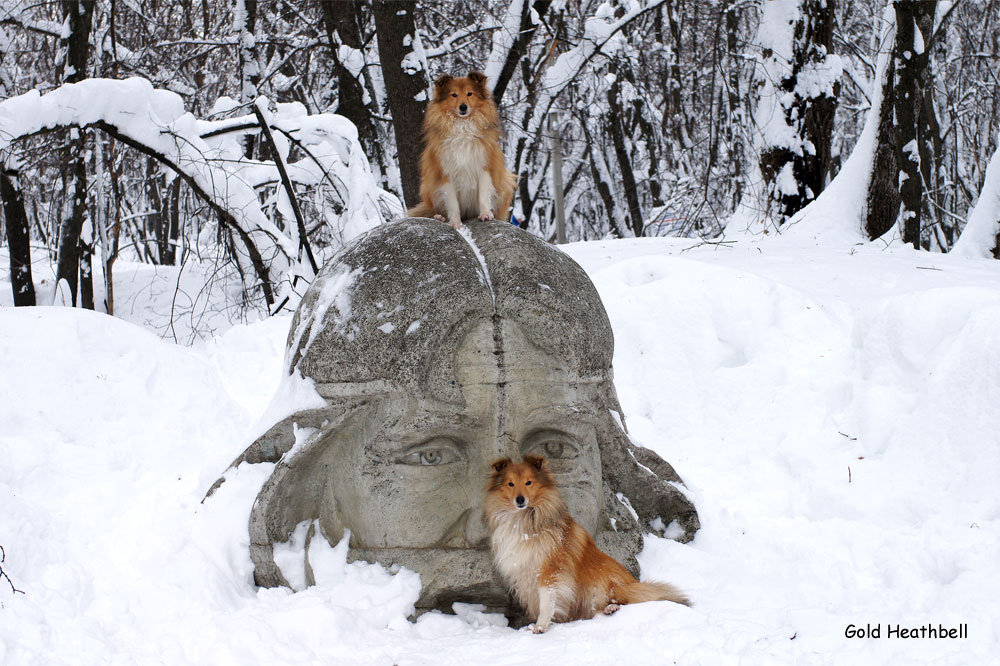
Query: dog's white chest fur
463	160
519	556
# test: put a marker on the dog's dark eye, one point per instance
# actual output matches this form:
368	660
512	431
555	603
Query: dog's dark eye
468	94
527	483
454	94
510	483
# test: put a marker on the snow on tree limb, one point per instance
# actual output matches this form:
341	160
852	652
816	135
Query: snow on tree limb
981	236
839	211
17	16
600	31
209	160
503	40
447	45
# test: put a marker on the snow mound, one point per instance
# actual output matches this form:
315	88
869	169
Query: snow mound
832	412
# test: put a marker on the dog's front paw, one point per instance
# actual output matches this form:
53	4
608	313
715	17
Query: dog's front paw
487	216
539	627
439	218
611	608
455	224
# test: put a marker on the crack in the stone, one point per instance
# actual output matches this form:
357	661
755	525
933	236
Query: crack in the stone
498	341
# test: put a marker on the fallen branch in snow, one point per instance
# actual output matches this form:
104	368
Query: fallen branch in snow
3	574
719	243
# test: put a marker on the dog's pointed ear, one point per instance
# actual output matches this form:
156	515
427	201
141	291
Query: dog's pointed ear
498	465
441	87
479	81
537	462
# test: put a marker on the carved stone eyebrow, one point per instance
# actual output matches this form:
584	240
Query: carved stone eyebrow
410	432
560	413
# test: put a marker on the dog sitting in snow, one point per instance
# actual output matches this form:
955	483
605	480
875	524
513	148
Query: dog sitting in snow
548	559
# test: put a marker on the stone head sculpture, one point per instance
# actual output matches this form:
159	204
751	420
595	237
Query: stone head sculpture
436	352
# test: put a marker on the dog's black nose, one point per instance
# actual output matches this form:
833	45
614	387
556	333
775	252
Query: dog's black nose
519	500
463	108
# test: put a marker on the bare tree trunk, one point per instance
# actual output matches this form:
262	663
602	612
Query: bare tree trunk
931	164
155	221
18	229
810	115
883	188
169	256
245	24
603	187
405	88
343	21
18	239
74	256
674	115
100	217
519	48
736	116
617	130
912	73
981	235
817	122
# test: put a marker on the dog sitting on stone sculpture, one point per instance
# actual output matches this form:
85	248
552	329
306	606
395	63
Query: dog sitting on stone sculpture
462	169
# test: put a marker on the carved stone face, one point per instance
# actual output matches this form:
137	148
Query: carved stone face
416	480
437	352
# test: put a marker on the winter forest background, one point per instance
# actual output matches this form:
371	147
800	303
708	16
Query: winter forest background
202	132
827	392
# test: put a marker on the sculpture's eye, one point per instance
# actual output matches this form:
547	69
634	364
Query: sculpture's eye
553	445
554	448
434	452
431	457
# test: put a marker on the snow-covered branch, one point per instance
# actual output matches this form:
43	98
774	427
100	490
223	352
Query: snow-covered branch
599	33
155	123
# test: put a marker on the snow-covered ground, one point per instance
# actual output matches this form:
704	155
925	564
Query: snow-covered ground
834	412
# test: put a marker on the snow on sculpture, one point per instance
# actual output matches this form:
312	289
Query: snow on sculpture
432	352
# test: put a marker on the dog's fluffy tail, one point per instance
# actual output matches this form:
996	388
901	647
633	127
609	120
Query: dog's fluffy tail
634	593
421	210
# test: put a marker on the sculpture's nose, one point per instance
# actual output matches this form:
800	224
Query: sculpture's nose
476	532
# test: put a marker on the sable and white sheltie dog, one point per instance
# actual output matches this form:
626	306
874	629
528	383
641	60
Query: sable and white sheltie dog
550	561
462	170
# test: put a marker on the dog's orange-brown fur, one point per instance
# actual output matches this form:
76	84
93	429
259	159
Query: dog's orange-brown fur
550	562
462	170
